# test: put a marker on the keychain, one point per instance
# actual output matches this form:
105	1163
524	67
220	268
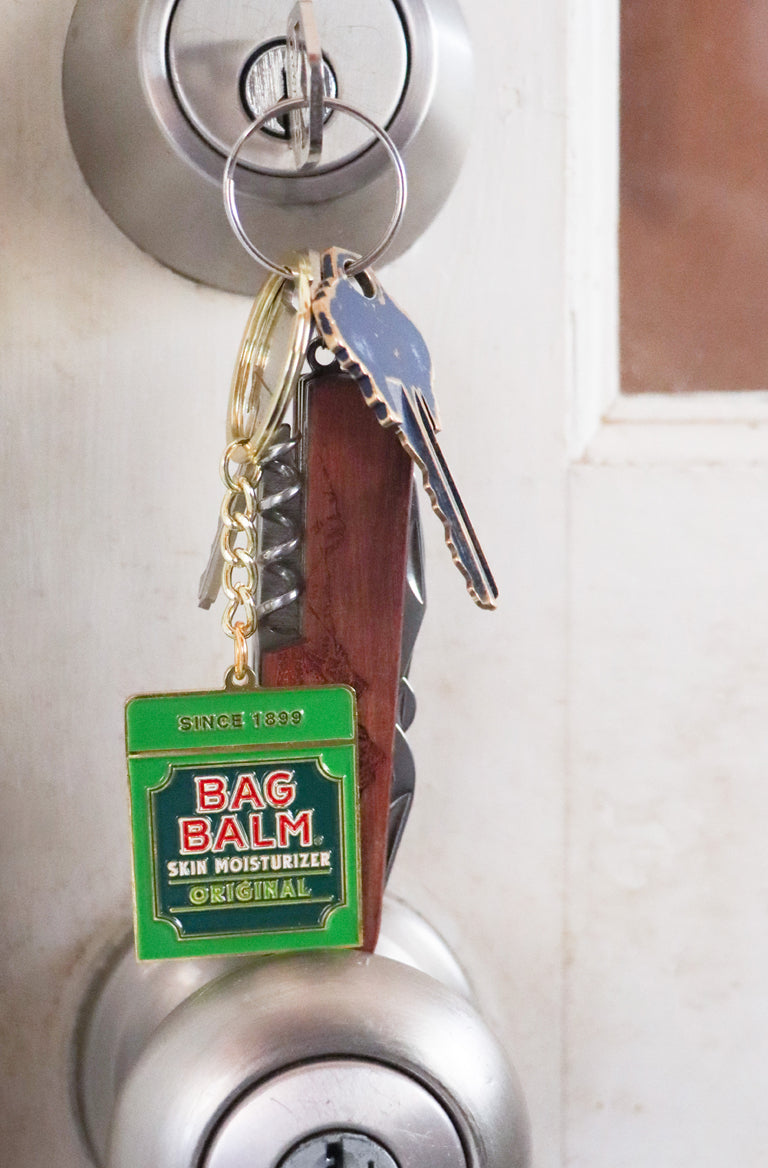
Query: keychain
245	801
267	818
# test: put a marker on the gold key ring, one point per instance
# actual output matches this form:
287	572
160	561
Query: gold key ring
271	354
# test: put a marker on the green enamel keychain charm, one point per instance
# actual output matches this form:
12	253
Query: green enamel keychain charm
244	801
244	811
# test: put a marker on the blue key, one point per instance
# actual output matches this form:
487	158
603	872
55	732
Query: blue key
376	343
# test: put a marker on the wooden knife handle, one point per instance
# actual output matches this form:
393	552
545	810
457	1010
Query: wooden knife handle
357	505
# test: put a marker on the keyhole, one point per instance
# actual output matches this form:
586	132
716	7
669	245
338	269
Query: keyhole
335	1158
334	1155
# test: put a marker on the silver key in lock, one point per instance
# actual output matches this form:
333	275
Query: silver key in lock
305	73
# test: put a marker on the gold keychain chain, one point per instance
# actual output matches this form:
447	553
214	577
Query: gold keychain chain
239	578
271	354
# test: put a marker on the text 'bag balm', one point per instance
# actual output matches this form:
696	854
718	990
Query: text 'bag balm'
245	821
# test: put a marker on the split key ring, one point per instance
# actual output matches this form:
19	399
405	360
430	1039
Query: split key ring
287	107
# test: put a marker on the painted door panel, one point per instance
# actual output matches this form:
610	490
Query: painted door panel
587	824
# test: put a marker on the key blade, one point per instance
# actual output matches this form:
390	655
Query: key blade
420	442
304	74
380	346
210	581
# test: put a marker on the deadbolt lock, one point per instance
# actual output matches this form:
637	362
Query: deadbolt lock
156	92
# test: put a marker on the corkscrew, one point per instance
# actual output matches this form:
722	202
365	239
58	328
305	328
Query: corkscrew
281	522
280	558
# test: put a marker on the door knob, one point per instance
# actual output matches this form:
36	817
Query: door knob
156	93
310	1060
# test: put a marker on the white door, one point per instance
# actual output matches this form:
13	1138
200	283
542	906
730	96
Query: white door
591	758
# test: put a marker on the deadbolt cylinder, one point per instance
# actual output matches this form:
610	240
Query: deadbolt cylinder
157	91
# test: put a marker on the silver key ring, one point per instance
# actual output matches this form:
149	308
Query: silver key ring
286	107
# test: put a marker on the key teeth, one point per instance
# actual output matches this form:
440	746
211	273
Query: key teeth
487	605
386	419
487	602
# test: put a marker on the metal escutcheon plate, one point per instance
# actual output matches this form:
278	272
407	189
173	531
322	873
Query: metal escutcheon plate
156	92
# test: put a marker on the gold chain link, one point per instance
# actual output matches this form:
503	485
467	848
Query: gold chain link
271	354
239	547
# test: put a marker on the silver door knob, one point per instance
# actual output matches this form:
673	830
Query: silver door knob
299	1061
156	93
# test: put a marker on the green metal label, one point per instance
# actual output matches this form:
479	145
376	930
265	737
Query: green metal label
244	813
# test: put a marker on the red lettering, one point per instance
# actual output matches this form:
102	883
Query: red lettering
211	792
257	839
229	831
279	788
287	824
195	835
246	791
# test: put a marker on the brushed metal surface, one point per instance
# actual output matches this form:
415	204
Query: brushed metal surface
208	49
170	1053
127	1003
351	1095
252	1024
158	176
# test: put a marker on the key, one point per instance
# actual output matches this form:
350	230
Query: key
281	467
305	78
210	581
376	342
